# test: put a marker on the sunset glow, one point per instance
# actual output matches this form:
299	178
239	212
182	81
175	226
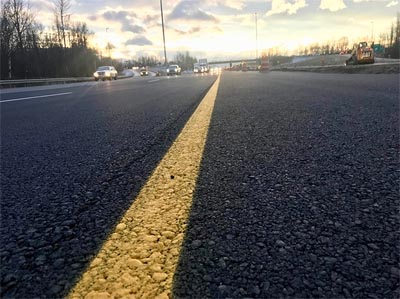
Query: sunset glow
225	27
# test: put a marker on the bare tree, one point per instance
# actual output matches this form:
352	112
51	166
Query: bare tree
19	21
79	35
109	47
62	19
6	36
18	29
391	35
398	28
343	43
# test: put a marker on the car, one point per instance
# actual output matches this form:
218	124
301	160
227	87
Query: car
173	69
197	69
144	72
105	72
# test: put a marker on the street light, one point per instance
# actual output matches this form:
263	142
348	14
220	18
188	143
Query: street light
372	30
108	45
256	38
163	33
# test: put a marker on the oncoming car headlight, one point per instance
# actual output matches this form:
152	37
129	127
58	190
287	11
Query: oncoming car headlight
167	70
108	74
95	74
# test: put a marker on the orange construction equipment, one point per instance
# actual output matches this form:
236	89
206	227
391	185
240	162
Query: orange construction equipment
362	54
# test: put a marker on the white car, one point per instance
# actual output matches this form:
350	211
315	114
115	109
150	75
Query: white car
144	72
105	72
173	70
198	69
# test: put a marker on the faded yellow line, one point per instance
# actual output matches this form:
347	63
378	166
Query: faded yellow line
139	258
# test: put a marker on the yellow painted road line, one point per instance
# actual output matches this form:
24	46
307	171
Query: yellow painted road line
140	257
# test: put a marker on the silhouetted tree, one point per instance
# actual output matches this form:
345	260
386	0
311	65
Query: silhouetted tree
184	60
109	48
62	19
18	34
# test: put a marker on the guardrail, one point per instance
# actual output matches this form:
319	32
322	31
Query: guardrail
47	81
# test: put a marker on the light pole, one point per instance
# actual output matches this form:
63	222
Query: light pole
163	33
372	30
256	38
108	47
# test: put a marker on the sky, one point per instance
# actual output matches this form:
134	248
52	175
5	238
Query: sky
222	29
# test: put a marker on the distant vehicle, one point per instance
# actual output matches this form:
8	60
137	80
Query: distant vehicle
198	69
244	67
215	70
173	70
105	72
144	72
204	64
361	54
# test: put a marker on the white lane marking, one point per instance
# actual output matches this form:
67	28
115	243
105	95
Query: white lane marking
37	97
155	80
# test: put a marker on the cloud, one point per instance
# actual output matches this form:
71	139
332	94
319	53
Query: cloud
232	4
236	4
194	30
178	31
393	3
217	29
125	18
189	10
138	41
152	19
358	1
332	5
190	31
284	6
43	5
132	28
118	15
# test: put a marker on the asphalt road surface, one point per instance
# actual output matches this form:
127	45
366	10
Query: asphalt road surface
297	194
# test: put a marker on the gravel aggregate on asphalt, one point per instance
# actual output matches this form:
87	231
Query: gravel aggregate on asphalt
140	257
297	196
70	167
298	193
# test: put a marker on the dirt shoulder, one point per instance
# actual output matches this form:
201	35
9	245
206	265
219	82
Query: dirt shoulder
393	68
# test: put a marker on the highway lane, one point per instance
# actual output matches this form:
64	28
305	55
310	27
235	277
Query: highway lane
13	93
298	193
70	167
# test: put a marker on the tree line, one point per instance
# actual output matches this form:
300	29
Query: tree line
392	39
183	59
388	41
28	51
